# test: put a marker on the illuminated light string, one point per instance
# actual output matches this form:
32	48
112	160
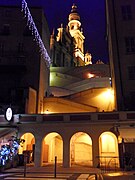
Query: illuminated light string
35	33
10	150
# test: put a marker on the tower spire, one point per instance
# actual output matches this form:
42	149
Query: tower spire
74	8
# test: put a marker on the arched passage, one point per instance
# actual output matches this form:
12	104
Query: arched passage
81	149
52	146
108	149
28	147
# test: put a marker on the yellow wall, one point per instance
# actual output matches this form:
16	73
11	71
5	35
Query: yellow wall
28	137
31	102
60	105
100	99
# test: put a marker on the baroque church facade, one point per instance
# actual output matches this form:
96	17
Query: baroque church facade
67	47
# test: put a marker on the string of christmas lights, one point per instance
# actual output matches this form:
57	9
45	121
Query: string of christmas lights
35	33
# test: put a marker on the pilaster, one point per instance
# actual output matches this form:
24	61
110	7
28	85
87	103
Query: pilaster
38	151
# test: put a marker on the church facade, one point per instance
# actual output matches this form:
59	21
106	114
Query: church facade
67	46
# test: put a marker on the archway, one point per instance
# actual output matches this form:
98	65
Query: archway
52	146
28	147
81	149
108	150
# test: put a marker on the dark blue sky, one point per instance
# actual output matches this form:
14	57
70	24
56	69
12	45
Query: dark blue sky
92	13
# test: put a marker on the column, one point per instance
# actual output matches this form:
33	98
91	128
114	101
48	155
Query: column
66	152
95	150
38	151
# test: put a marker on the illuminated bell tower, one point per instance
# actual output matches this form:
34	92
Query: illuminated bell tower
74	25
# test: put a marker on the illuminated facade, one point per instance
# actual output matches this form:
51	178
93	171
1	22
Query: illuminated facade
87	88
89	139
120	17
72	73
67	137
67	47
62	47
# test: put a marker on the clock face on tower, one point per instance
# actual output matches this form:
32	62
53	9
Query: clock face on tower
8	114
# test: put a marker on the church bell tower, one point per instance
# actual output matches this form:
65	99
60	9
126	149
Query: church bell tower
74	25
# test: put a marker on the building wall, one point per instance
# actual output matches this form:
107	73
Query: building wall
76	79
66	133
61	105
92	100
21	65
102	98
30	107
121	40
67	125
75	85
62	48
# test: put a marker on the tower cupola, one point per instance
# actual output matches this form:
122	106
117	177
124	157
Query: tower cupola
74	14
74	19
75	31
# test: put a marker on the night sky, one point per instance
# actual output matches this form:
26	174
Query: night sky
92	13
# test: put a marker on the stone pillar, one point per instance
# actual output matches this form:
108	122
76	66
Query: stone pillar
95	150
66	153
38	151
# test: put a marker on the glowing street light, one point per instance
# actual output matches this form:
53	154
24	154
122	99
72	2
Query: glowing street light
90	75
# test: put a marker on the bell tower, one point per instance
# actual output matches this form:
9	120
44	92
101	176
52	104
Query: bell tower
75	30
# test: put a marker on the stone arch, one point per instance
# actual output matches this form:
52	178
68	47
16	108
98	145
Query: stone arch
108	150
52	146
28	147
81	149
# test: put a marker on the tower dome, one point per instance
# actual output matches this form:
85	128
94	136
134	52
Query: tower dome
74	14
74	19
75	31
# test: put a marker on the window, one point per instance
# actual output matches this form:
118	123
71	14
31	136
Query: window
72	27
20	47
126	12
131	72
58	59
8	13
5	30
67	46
63	59
1	49
130	44
21	59
131	101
